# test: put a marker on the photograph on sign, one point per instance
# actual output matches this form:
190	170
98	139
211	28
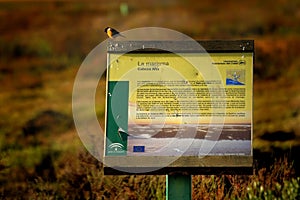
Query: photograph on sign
186	106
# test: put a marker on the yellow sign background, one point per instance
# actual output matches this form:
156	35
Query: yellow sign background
159	75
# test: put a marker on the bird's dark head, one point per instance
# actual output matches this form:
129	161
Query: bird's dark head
105	30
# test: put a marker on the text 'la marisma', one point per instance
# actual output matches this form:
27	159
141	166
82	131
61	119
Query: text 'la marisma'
150	66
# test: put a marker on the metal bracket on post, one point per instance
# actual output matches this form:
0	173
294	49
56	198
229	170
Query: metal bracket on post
179	187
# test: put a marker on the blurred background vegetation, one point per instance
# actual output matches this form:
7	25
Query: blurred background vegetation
42	44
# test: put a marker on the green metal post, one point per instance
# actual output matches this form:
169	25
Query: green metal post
179	187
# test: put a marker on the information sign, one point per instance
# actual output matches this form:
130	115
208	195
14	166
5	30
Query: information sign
171	108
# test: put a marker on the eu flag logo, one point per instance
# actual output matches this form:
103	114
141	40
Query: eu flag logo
138	148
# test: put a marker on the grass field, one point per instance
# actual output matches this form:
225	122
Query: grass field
42	45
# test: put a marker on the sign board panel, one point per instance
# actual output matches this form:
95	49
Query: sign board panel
179	109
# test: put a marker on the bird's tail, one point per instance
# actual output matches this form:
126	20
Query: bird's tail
120	35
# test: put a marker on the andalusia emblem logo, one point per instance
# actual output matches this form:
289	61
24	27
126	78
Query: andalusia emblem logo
116	148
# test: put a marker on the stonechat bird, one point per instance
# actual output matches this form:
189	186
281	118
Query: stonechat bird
112	33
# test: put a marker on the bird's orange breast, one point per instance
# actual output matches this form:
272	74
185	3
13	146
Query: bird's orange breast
109	33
